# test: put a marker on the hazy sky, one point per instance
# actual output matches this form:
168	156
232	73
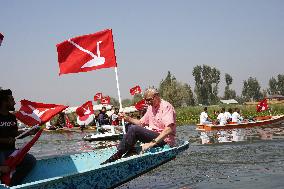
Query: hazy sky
240	37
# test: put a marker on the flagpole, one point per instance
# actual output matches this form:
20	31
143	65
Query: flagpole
119	98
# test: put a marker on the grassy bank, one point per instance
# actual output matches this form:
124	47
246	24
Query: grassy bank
190	115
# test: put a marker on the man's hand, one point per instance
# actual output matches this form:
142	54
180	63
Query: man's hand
123	116
4	169
147	146
129	119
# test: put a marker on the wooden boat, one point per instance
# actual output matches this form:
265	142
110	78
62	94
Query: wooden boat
84	170
260	121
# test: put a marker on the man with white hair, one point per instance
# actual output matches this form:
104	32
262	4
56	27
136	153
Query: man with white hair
161	121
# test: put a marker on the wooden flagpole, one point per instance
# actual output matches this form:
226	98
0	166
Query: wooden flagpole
119	98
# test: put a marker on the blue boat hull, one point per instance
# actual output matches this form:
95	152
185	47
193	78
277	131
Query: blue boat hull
84	170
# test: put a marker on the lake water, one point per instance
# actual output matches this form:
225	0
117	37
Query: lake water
255	162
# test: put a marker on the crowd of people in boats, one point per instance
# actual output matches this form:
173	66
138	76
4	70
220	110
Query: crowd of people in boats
223	117
100	118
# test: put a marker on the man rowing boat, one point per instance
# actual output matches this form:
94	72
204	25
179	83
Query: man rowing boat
161	121
8	133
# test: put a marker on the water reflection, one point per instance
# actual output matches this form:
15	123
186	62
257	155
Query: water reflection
246	134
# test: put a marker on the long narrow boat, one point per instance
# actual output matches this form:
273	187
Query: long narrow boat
261	121
84	170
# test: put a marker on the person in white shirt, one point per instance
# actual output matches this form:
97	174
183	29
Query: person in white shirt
228	115
236	117
204	119
222	118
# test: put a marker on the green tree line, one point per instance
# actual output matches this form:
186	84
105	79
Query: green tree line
206	89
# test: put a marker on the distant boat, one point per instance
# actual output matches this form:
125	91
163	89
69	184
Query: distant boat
83	171
102	136
109	134
260	121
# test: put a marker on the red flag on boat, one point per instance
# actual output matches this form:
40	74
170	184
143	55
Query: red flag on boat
105	100
68	123
17	157
34	113
135	90
140	105
98	96
85	110
262	105
1	38
86	53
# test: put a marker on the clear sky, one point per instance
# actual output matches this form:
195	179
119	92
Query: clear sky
240	37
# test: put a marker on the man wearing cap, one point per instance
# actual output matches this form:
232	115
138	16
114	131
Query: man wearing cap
160	120
8	133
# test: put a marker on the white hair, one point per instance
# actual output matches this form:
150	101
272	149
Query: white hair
152	91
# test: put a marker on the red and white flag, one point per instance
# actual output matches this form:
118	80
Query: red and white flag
35	113
135	90
17	157
86	53
1	38
68	123
105	100
262	105
98	96
85	110
140	105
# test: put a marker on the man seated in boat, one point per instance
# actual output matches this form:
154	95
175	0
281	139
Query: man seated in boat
114	117
221	119
228	115
103	118
8	133
204	118
50	127
161	121
236	117
60	121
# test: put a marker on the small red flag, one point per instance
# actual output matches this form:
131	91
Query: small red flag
141	105
85	110
262	105
98	96
34	113
105	100
86	53
1	38
135	90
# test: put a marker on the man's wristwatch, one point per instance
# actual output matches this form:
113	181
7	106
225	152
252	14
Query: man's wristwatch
154	141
